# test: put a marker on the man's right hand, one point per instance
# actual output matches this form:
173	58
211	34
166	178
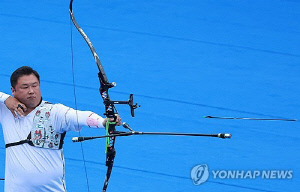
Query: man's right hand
15	106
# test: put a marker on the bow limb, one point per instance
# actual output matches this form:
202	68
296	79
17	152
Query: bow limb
89	43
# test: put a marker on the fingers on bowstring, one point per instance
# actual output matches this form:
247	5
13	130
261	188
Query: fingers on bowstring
22	106
20	109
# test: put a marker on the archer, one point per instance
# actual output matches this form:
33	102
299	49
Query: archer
34	132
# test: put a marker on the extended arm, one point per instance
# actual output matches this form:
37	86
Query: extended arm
68	119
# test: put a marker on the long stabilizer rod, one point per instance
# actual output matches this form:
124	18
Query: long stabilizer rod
118	134
247	118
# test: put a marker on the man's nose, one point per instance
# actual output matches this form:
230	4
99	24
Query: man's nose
30	90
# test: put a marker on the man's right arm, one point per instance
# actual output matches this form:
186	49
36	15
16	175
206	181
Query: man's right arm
12	104
3	97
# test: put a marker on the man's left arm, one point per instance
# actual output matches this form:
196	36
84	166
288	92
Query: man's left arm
68	119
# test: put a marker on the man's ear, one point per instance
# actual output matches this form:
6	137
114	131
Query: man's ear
13	91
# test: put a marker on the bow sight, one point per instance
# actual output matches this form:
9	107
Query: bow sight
110	105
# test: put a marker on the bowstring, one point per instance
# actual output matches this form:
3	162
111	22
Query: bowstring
75	101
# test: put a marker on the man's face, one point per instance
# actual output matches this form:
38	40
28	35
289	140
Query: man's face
27	90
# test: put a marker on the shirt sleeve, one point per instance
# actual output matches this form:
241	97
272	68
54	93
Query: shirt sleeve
68	119
3	97
1	111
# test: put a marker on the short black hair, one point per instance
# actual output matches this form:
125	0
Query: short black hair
24	70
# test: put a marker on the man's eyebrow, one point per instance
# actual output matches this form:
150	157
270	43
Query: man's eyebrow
27	84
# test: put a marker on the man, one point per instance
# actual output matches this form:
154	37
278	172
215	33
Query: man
33	131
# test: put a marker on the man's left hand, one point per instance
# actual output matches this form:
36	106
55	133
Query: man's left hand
118	120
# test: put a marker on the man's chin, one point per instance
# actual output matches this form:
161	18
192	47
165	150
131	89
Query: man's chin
32	104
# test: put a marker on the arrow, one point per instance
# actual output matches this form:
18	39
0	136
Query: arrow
247	118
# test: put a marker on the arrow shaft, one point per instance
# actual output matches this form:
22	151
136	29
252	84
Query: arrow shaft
120	134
